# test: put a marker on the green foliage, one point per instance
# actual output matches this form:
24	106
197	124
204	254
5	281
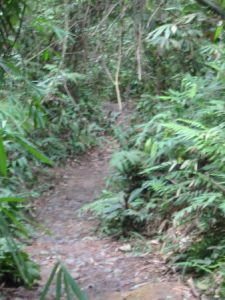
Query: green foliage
110	208
12	15
63	278
175	172
124	161
60	61
43	118
170	175
16	267
11	273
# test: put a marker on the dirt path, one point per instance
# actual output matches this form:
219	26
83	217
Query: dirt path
101	266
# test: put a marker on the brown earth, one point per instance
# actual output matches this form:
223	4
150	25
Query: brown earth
106	269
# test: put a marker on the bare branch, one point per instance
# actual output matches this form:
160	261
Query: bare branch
212	6
138	51
107	71
115	80
117	87
112	7
66	29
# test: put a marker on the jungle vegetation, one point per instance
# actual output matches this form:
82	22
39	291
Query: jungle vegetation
60	62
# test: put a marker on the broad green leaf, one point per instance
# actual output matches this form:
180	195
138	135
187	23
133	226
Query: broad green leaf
11	199
15	221
218	32
34	151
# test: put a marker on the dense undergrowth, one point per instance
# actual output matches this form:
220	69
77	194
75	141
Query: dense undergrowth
169	175
42	122
59	63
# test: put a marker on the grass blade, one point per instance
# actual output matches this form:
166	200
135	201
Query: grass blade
67	288
74	286
58	285
48	284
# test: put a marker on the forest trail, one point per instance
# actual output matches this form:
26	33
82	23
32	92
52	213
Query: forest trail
106	269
